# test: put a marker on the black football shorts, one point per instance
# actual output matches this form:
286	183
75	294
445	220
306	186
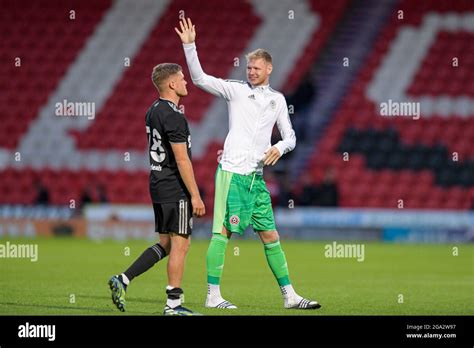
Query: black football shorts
174	217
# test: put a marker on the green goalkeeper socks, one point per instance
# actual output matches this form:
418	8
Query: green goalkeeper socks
277	261
216	254
215	258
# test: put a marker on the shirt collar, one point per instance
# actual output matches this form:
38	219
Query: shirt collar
172	105
169	101
261	88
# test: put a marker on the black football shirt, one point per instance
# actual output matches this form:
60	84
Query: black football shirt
166	124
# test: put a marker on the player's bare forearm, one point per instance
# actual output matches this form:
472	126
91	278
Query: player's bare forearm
187	174
186	171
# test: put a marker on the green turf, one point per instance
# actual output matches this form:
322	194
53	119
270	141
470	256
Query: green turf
431	280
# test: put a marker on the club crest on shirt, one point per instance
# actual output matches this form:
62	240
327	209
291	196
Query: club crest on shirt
273	104
234	220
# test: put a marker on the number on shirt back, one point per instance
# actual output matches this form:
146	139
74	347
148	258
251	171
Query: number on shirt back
160	155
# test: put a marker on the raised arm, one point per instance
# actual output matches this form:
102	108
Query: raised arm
211	84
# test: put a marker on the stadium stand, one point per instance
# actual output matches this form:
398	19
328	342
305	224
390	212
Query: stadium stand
37	47
426	162
390	158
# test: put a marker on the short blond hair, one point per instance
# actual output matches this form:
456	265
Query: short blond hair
259	53
162	72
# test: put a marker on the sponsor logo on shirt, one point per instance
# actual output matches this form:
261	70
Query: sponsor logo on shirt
252	96
157	168
273	104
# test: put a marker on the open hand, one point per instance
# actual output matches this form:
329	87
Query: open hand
188	31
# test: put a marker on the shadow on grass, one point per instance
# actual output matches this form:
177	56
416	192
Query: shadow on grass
129	298
69	308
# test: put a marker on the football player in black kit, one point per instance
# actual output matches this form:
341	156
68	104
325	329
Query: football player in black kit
173	190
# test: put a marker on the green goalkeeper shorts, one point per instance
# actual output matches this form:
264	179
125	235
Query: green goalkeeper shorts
240	201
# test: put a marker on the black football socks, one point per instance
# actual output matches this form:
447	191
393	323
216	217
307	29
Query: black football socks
146	260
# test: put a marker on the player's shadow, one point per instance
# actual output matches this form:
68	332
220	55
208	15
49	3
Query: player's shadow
67	308
72	307
130	298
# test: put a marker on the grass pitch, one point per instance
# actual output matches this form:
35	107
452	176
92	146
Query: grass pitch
70	278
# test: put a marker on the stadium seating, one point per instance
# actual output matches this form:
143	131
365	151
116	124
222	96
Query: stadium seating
427	162
46	41
122	114
390	158
329	12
